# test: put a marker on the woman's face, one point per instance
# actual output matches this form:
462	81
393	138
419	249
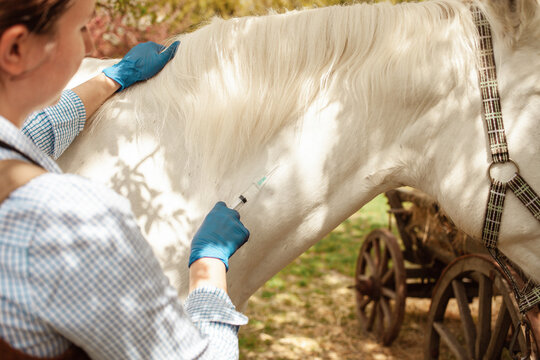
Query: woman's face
64	52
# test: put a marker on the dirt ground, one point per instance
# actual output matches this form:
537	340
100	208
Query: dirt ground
322	324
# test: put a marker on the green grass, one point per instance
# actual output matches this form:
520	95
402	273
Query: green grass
338	250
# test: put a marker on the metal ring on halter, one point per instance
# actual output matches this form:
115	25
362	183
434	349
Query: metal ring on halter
501	163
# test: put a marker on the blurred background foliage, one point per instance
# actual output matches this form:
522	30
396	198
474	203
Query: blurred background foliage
121	24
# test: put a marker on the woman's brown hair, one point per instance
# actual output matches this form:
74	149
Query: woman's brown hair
39	16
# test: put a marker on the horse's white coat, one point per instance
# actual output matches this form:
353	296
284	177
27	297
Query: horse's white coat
348	101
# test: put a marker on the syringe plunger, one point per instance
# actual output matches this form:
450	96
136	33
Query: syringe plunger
241	201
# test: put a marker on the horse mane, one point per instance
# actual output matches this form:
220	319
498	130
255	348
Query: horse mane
234	83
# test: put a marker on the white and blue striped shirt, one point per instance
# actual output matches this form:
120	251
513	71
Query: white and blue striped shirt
75	268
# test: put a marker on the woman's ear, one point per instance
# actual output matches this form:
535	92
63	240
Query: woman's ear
14	50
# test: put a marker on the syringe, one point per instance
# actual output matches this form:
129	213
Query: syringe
252	190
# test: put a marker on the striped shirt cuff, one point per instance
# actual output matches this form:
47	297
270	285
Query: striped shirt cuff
79	108
54	128
212	304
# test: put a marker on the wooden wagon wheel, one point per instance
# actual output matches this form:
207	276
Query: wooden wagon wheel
380	285
480	333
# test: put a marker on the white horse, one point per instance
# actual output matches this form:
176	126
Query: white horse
346	101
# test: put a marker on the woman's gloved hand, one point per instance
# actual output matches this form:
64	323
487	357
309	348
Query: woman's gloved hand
141	63
219	236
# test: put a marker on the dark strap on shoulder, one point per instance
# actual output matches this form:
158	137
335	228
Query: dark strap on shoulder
10	353
5	145
15	173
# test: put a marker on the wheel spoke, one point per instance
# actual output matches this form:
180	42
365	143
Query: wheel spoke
389	293
364	311
498	337
372	316
483	329
450	340
377	253
488	335
364	302
380	276
379	321
383	265
387	276
465	312
370	263
509	301
386	310
362	277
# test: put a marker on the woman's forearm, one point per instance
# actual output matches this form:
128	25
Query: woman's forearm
95	92
207	272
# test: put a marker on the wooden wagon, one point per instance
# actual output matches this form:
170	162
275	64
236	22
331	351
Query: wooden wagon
435	260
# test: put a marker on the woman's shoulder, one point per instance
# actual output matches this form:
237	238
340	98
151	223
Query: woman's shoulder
68	192
63	210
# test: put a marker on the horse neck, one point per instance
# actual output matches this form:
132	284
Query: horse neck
390	121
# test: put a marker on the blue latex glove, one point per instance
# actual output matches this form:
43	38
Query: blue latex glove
141	63
219	236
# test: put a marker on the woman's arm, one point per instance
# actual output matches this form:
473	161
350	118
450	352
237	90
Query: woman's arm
54	128
207	272
95	92
140	63
115	301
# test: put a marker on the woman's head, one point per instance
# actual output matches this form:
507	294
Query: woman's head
42	43
39	16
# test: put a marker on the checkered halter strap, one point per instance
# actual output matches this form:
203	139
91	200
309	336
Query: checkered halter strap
491	108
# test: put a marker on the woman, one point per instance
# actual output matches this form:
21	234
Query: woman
75	271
